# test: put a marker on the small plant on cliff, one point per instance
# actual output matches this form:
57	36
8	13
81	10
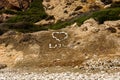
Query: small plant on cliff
108	14
100	16
33	14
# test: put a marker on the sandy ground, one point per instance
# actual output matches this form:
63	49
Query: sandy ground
59	73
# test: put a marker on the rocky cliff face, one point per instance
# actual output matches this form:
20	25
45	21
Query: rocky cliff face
15	4
70	46
66	9
58	10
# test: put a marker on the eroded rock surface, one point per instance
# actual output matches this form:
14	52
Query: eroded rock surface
15	4
69	46
66	9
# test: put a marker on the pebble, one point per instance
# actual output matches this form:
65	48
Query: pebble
102	64
59	76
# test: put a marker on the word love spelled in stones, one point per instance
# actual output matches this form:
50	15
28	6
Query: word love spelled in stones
58	36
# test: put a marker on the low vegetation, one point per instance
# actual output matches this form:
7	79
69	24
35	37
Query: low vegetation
100	16
23	21
24	27
33	14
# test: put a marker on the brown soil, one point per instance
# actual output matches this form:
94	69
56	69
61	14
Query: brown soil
42	49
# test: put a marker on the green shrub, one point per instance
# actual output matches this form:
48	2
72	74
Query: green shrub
82	19
100	16
36	13
7	11
107	14
59	25
33	14
26	18
25	27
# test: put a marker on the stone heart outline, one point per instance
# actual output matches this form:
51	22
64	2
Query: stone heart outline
53	35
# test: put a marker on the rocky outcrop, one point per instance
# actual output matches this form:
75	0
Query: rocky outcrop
66	9
96	38
66	47
2	66
15	4
4	17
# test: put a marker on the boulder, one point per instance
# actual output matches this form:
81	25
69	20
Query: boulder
2	66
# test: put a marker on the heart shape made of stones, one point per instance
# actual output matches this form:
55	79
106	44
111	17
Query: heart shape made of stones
60	36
